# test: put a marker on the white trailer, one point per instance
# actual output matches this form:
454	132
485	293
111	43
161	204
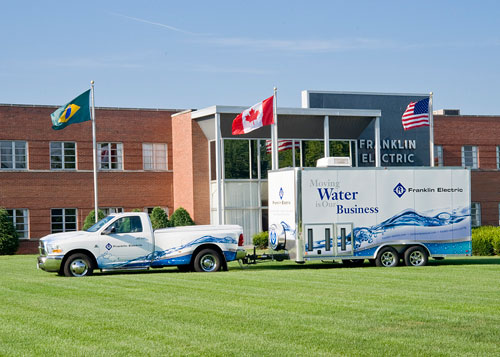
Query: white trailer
380	214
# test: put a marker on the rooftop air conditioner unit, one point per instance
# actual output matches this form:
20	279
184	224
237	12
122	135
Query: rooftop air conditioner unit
334	161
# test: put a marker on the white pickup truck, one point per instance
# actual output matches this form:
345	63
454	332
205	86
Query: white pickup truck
127	241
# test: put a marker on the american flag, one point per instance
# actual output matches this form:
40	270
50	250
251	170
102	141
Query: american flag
283	145
416	114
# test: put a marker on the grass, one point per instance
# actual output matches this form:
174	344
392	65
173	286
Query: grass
448	308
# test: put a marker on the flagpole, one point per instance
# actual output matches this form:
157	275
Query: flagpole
431	130
274	133
94	151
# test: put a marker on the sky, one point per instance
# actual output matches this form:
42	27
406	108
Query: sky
195	54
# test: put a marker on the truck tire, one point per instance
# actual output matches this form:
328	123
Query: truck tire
416	256
207	261
78	265
387	257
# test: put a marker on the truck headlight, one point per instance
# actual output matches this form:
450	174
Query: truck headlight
51	249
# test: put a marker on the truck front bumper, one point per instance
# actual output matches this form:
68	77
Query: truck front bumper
50	263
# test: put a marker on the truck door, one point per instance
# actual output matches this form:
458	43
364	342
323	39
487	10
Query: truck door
344	242
126	243
318	240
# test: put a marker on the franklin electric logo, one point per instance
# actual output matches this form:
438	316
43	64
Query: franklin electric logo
281	193
399	190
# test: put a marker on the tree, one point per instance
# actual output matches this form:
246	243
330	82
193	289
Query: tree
9	240
181	217
90	219
159	218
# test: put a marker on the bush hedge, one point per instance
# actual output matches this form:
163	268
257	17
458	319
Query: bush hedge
260	240
9	240
90	219
486	240
181	217
159	218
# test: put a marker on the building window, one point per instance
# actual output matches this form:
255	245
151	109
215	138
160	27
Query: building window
475	214
19	218
62	155
438	155
469	157
111	210
63	219
498	157
154	156
13	155
110	156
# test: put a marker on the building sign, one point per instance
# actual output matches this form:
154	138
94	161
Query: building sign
397	147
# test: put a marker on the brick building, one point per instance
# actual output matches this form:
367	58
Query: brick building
46	176
169	158
472	141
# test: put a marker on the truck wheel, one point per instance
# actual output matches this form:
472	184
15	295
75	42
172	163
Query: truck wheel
78	265
416	257
388	257
207	260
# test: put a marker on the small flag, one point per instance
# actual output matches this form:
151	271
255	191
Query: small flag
255	117
416	114
76	111
283	145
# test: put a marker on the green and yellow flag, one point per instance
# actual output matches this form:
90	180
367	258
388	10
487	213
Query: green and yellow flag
76	111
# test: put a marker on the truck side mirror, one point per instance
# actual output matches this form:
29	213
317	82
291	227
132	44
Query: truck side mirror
110	230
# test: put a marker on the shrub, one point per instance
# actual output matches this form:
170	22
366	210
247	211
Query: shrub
90	219
484	239
496	244
159	218
9	240
136	210
181	217
261	240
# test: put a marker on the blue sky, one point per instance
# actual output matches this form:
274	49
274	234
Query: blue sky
194	54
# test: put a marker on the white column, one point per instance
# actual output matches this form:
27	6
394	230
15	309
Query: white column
274	134
326	135
431	130
377	142
218	165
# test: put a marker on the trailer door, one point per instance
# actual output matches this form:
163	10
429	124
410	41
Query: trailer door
318	240
344	244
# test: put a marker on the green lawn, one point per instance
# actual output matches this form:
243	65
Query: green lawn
451	307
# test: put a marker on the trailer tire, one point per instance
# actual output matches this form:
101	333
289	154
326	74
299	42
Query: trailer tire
416	256
78	265
207	261
387	257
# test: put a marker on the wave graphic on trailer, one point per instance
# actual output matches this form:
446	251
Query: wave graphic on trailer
399	224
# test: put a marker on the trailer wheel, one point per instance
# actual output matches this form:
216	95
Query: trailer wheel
388	257
416	256
78	265
207	261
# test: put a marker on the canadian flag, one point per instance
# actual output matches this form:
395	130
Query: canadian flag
255	117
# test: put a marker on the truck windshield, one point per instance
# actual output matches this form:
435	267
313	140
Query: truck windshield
99	224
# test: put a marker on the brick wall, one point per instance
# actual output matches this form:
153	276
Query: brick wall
39	189
191	168
453	132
